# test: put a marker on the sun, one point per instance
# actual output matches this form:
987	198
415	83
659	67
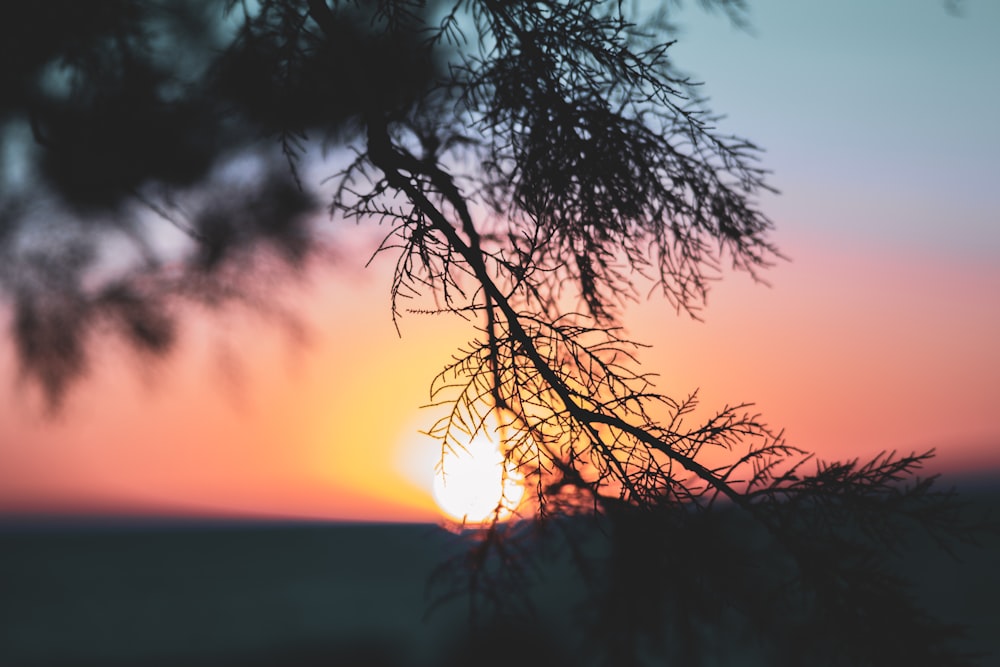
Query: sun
475	485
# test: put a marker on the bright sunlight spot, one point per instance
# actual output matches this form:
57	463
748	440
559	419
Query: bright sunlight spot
475	484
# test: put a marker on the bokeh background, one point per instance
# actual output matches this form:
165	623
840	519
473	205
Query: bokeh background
880	333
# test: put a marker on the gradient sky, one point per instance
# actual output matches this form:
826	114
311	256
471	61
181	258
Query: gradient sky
879	121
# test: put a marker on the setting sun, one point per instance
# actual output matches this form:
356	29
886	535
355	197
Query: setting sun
475	484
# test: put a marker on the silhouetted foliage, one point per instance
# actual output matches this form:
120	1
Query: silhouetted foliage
535	164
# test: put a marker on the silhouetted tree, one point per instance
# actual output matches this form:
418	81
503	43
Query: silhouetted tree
535	163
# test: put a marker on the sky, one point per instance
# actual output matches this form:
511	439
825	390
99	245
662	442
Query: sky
880	332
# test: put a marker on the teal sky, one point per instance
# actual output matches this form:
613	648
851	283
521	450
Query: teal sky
879	118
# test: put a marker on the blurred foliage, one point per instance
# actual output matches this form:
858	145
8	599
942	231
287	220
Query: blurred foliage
534	165
120	118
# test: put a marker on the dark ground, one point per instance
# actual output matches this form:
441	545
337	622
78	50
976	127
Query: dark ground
113	593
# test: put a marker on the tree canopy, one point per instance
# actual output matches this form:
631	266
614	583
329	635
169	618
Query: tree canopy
534	165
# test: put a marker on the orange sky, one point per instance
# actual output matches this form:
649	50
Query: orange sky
852	350
882	333
243	419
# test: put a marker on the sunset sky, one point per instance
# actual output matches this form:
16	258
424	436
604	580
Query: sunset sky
881	333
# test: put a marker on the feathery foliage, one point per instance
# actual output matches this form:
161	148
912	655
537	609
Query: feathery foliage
535	165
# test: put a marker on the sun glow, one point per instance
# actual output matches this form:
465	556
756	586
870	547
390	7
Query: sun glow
476	485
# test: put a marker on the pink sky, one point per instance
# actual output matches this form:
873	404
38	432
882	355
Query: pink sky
850	350
881	334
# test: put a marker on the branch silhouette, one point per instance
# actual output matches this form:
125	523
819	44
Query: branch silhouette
536	164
